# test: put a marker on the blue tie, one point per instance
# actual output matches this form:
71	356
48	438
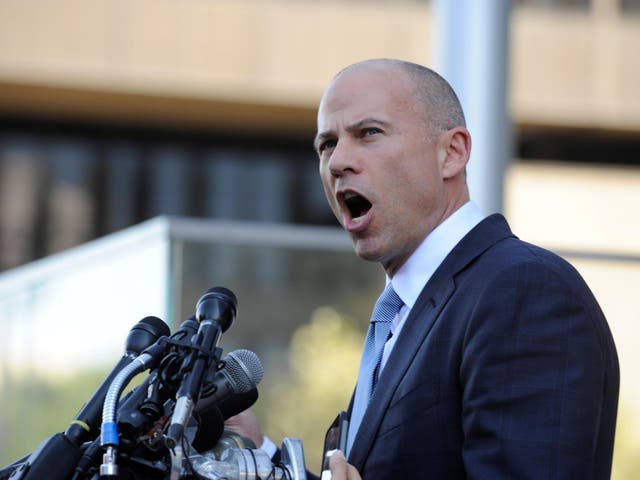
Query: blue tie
383	314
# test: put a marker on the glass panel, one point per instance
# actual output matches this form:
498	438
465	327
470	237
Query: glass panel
278	288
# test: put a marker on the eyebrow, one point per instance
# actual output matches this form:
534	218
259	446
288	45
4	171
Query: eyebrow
321	136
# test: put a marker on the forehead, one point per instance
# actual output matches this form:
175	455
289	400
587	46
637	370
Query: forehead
365	92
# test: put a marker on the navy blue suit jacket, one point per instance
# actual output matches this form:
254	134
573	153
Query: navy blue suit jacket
505	368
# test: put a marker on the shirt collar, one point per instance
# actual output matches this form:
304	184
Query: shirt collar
411	278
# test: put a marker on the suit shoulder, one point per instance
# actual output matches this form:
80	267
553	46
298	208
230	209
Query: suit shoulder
517	269
514	254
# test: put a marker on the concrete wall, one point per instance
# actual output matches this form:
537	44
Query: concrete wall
263	64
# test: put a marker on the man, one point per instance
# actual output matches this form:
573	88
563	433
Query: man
498	362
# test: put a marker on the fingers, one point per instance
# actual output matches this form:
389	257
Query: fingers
340	469
338	465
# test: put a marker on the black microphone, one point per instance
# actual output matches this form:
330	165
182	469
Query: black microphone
134	415
231	386
218	304
232	390
215	311
238	403
210	429
143	334
187	329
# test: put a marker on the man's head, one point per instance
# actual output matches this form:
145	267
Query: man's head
393	149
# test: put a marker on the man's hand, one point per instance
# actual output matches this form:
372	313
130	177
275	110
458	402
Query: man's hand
246	424
340	469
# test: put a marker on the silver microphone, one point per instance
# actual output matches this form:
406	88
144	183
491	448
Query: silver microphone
242	372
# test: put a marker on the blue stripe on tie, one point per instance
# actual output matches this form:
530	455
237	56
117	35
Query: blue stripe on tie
383	314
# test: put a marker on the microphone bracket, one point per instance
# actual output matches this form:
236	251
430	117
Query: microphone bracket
195	351
199	353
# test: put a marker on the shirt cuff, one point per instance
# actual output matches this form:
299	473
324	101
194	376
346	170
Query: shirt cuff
268	446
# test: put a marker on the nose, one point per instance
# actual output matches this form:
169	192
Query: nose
343	160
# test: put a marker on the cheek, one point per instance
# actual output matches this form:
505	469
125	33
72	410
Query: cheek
326	185
328	192
418	195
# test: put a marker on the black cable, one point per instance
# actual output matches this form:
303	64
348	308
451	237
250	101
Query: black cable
287	474
255	462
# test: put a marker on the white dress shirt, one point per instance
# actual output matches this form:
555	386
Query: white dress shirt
411	278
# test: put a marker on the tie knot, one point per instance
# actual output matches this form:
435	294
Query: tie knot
387	305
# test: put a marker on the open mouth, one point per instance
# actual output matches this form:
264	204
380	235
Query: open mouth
357	205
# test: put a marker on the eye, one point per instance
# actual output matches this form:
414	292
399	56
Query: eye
329	143
369	131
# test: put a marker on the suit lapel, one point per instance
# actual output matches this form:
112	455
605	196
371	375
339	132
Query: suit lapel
424	313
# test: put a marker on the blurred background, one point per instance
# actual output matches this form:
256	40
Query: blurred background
150	149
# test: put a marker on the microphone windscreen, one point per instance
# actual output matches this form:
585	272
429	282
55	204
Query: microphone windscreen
156	326
245	368
237	403
145	333
219	304
210	428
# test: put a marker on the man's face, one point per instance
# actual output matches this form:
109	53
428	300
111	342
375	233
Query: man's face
380	168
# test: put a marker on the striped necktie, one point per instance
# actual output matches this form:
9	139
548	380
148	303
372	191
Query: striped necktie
383	314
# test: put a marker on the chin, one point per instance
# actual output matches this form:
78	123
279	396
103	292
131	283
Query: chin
367	252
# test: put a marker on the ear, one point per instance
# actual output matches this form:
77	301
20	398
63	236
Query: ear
456	144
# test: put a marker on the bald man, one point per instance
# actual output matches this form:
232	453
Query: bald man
496	361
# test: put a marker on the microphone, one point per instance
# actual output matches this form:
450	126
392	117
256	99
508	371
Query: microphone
215	311
218	304
143	334
238	403
136	411
232	390
210	429
234	385
188	328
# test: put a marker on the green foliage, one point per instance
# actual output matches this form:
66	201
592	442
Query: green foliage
323	364
35	407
